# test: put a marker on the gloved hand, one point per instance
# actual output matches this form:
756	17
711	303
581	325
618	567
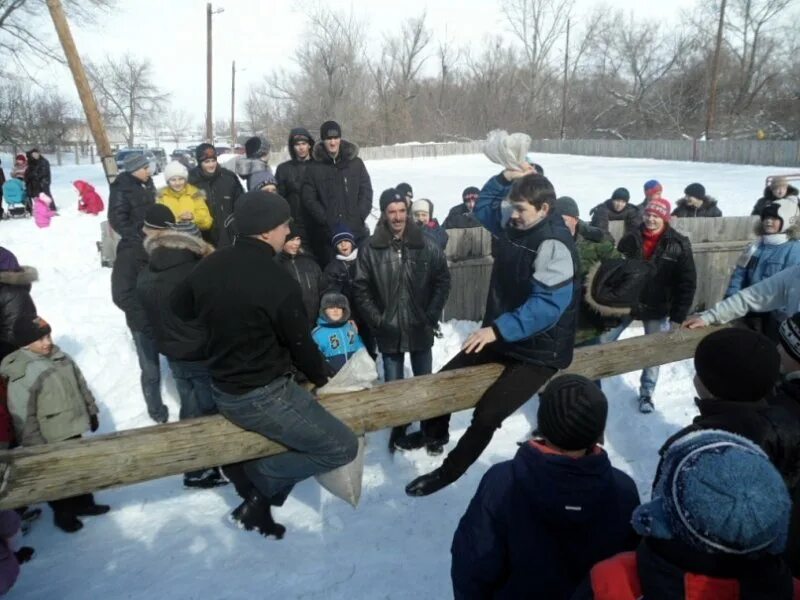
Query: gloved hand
94	422
24	554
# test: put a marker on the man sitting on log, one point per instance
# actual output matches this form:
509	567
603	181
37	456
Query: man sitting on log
529	324
258	332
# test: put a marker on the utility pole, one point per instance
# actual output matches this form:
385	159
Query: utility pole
233	104
209	86
96	125
564	91
712	92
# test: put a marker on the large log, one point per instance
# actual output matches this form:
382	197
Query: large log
65	469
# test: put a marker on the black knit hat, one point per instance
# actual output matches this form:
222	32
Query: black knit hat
695	190
27	331
159	216
737	364
789	336
330	129
572	412
405	189
621	194
204	152
567	207
258	212
390	196
256	147
471	190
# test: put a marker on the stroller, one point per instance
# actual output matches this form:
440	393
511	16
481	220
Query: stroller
16	198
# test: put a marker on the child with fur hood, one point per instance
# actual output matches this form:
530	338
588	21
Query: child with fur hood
49	402
335	335
187	203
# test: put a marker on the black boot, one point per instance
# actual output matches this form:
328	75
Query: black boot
427	484
67	522
236	475
397	433
417	439
255	513
85	506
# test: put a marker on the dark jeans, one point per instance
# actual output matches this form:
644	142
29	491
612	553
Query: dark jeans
515	386
393	369
284	412
194	388
150	368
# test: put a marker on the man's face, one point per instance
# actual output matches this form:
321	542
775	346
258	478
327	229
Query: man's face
43	346
780	191
396	214
422	216
525	215
693	202
177	183
345	247
36	155
653	222
771	225
142	174
332	145
618	205
654	196
302	150
470	200
271	188
209	165
292	246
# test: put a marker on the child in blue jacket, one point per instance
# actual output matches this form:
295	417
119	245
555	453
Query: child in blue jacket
336	336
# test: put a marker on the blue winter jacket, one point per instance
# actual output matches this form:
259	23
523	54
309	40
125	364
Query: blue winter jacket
539	522
14	191
336	342
766	261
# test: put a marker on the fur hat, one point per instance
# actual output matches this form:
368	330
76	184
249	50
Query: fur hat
652	187
390	196
334	300
572	412
175	169
778	182
204	152
423	204
27	330
737	364
695	190
621	194
718	493
659	207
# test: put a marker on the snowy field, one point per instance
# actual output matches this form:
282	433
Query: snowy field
162	541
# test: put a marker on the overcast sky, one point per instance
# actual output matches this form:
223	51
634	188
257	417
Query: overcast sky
260	35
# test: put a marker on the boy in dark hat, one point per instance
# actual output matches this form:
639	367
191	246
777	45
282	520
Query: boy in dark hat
616	208
255	161
290	176
460	216
303	269
50	402
696	203
404	189
542	520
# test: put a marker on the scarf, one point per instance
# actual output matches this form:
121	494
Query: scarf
352	257
774	239
650	241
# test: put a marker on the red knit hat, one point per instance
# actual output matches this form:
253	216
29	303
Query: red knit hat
660	207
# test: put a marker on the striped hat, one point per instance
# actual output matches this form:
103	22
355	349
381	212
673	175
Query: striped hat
572	412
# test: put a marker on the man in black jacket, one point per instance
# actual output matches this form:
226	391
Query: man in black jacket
617	208
401	286
460	216
37	176
305	271
667	298
337	190
222	188
258	334
132	194
290	176
172	256
529	324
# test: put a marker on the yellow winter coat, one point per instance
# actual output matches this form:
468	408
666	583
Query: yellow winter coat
190	199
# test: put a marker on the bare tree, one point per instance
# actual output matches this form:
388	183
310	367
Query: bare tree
178	124
126	92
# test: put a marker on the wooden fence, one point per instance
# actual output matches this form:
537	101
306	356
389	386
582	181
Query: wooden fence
717	244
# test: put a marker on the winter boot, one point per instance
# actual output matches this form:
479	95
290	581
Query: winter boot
204	479
67	521
236	475
396	434
413	441
255	513
427	484
85	506
646	404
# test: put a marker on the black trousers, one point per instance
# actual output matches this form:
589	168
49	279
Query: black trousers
72	505
518	382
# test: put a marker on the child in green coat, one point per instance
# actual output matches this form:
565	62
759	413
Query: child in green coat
49	402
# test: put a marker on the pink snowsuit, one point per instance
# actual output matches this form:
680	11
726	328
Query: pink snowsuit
90	201
42	211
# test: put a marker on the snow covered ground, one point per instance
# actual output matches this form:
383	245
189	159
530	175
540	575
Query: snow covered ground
161	541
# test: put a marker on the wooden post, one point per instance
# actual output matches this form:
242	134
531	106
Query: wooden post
84	90
233	105
36	474
77	154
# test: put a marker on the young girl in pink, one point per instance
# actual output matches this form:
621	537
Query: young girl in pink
42	210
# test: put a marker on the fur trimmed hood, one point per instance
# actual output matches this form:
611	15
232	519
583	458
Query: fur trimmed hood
177	240
605	311
26	276
347	151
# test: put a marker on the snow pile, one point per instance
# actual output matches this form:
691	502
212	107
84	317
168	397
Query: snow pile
163	541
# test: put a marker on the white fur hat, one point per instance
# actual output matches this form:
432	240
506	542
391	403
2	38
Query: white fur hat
422	205
175	169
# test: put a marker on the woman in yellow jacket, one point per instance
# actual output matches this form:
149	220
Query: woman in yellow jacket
186	202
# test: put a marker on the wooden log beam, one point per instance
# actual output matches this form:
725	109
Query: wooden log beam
36	474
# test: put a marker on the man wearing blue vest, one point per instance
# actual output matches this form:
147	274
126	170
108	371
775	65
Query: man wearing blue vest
529	324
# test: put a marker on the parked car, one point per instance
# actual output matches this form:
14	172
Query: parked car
124	153
161	158
185	157
223	149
